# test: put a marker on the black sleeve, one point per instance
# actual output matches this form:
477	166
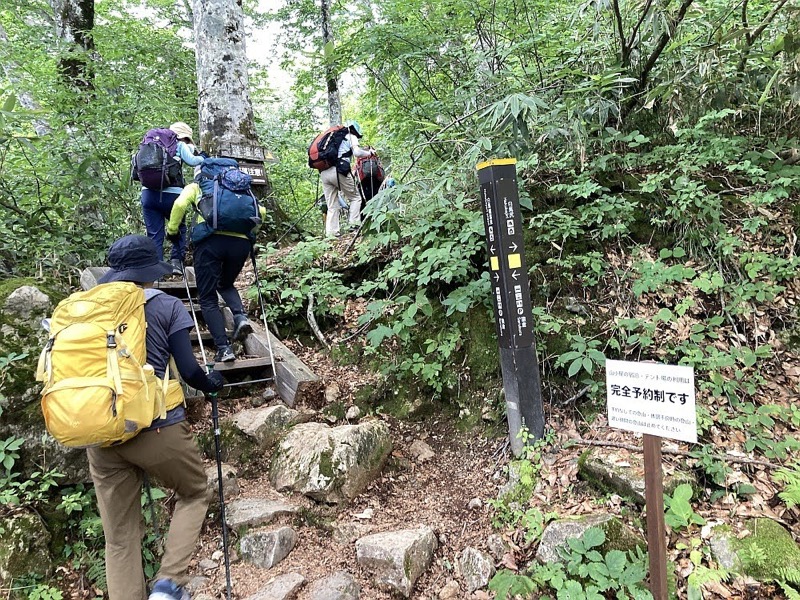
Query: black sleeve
181	349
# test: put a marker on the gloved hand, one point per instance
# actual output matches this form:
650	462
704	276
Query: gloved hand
174	237
216	381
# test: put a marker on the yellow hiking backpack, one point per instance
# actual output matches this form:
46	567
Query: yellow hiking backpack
98	388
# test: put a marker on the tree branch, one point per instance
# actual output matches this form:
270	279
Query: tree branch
751	38
624	54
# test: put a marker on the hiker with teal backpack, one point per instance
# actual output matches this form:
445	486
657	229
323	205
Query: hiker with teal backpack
158	166
230	217
123	335
330	154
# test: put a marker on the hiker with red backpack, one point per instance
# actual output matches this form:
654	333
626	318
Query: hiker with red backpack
123	335
230	218
330	154
370	175
158	166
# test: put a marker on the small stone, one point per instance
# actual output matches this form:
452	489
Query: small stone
421	451
266	549
339	586
477	568
331	393
196	583
268	395
495	546
208	565
475	504
283	587
257	401
218	555
450	591
353	413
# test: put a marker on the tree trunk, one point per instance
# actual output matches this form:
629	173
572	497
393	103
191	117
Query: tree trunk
226	124
74	20
334	103
225	111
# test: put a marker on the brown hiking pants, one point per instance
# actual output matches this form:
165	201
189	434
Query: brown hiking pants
171	456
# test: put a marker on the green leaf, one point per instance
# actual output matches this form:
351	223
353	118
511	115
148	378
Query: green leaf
593	537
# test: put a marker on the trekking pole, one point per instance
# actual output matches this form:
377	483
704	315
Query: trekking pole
294	225
263	314
220	487
217	440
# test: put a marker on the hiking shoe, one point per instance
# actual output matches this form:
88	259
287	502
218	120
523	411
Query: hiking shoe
224	354
166	589
177	267
242	329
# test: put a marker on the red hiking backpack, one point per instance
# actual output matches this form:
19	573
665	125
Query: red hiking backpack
369	167
323	153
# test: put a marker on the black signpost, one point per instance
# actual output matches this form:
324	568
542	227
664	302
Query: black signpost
512	299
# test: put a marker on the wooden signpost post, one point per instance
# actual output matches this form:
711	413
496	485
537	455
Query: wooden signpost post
658	401
511	296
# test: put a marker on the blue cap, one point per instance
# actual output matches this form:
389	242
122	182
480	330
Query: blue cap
135	258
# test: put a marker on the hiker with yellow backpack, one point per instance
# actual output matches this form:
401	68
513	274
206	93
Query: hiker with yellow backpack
107	387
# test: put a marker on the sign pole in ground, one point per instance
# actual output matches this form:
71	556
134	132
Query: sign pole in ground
657	401
654	502
512	299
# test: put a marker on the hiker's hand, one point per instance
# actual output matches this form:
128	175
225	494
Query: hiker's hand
216	380
175	238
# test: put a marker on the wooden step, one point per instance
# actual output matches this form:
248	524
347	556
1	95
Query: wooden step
176	288
243	365
204	335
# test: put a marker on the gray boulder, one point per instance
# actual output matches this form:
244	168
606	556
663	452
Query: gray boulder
266	425
556	535
477	568
255	512
339	586
266	548
230	484
396	559
27	302
24	550
283	587
330	464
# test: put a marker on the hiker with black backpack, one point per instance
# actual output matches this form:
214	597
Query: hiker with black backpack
158	165
107	388
330	154
230	217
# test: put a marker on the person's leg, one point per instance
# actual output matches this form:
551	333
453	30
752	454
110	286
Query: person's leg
237	251
207	270
178	250
330	188
153	218
118	484
172	456
347	184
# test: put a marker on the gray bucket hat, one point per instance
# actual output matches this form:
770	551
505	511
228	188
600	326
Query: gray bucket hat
134	258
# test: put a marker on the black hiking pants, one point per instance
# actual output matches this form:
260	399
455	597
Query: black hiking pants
218	260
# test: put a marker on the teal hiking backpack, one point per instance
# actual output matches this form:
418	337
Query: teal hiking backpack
228	203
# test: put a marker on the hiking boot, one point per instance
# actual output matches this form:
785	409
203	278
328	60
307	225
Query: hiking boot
166	589
242	328
224	354
177	267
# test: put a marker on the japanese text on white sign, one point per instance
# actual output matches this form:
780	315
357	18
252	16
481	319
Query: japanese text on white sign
652	398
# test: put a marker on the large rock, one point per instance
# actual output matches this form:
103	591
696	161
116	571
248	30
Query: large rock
331	465
396	559
780	553
254	512
230	484
266	548
24	549
283	587
622	472
558	533
27	302
266	425
339	586
477	568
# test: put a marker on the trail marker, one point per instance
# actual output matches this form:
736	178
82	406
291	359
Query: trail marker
511	296
658	401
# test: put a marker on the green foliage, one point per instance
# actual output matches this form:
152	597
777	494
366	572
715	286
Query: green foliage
584	573
679	512
791	489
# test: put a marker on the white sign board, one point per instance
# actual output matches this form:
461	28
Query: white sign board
652	398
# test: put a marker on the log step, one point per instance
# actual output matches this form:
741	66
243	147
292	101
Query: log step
243	365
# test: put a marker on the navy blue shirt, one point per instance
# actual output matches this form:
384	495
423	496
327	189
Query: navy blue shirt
164	315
